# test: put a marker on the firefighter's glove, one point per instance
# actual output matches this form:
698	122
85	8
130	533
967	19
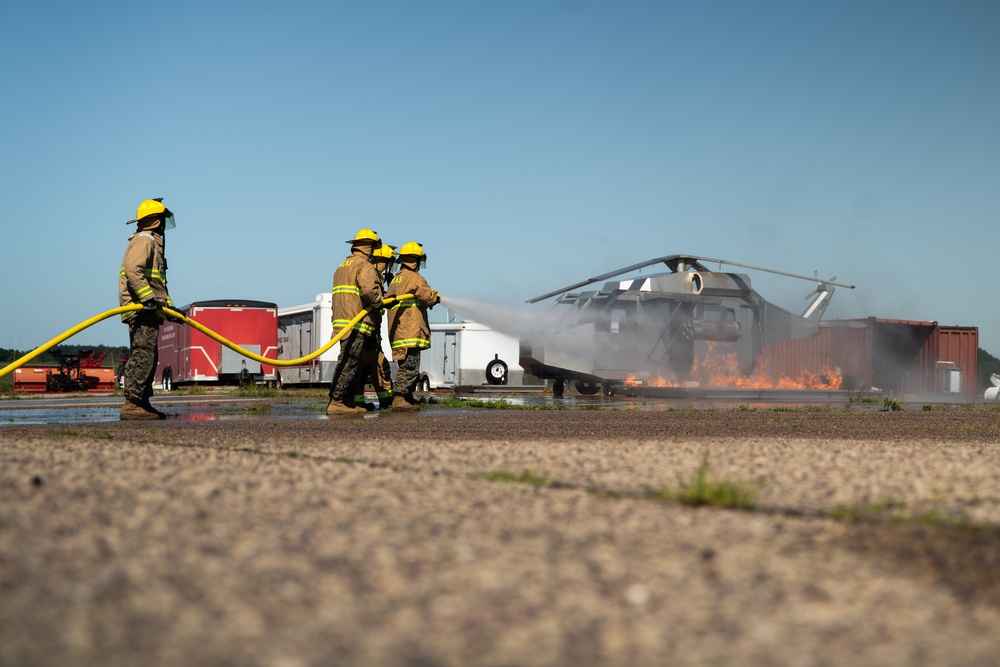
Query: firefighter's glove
172	318
149	304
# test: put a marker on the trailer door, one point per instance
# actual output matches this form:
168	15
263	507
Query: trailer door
296	342
307	373
450	358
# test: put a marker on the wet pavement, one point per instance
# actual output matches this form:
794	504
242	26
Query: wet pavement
221	405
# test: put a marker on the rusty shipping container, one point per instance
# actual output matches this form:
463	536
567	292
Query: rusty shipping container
906	359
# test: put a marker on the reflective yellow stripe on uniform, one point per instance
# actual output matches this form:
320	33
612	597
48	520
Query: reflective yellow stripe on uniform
347	289
363	327
421	343
148	273
405	303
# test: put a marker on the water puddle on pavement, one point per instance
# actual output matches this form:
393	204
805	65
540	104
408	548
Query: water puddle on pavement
90	409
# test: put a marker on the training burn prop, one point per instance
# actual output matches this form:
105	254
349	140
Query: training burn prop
660	329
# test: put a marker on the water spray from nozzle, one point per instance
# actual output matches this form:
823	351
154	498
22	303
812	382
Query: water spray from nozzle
524	323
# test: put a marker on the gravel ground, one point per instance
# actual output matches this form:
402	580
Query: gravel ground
393	540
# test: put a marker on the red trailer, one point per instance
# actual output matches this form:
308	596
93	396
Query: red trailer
187	356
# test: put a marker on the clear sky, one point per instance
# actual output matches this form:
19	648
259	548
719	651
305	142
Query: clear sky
528	145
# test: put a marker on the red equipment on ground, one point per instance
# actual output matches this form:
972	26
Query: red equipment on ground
74	372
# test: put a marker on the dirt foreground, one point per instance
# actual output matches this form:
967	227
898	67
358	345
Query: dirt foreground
503	538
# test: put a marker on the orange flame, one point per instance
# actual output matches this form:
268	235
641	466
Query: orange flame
718	369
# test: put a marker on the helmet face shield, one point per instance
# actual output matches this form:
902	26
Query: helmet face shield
168	221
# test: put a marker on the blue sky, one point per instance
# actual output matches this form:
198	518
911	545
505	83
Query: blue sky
527	145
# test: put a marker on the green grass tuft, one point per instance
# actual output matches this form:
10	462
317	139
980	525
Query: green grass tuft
700	490
258	391
891	404
257	407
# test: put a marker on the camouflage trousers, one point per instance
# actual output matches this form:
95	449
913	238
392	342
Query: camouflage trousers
140	369
354	365
380	378
407	373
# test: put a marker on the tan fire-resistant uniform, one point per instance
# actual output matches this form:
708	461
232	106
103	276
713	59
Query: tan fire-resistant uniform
356	285
408	324
143	273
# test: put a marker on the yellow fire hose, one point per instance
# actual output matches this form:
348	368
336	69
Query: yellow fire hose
385	303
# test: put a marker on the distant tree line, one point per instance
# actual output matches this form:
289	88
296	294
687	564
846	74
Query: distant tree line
112	354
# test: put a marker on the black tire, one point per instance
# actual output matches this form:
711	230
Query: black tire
608	389
558	388
587	388
496	372
424	383
167	379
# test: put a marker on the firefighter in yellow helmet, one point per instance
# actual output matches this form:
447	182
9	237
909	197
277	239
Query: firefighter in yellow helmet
383	259
409	329
143	279
356	285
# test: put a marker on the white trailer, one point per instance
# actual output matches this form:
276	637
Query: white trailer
306	328
470	353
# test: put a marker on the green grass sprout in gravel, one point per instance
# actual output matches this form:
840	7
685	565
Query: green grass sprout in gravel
701	490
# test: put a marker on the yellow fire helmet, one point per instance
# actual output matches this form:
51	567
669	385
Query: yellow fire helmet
413	248
366	236
385	252
154	207
413	251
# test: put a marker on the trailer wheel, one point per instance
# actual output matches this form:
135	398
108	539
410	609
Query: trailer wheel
424	383
496	372
167	379
608	389
587	388
558	388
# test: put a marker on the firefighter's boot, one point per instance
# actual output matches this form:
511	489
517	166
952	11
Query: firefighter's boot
340	409
136	411
149	406
360	402
400	404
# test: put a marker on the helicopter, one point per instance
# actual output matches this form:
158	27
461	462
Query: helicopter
656	326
